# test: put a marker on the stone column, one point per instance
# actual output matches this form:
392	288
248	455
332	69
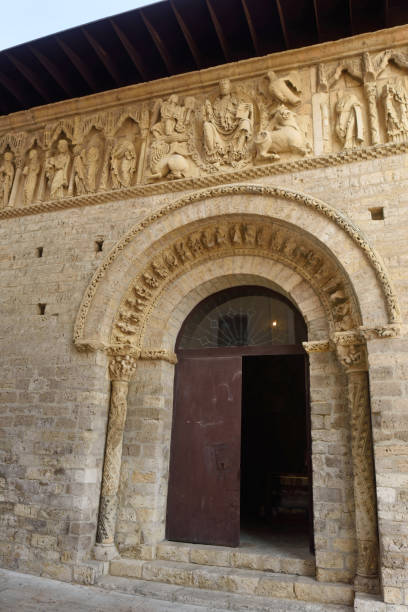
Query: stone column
371	94
121	369
351	352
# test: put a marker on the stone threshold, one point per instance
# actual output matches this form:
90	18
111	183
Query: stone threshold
211	600
234	580
286	561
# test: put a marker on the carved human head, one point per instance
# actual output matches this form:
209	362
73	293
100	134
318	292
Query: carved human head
62	146
33	154
225	87
174	99
8	156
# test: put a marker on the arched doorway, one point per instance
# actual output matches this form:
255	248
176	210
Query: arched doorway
240	449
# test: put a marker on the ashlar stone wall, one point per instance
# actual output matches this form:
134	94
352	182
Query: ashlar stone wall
55	398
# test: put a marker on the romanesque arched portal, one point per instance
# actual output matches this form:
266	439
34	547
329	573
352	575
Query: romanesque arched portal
221	238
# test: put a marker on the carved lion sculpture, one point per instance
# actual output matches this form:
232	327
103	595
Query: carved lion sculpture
285	137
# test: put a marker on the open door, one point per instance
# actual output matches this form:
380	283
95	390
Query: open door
203	503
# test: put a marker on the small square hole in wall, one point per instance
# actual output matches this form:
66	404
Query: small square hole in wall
40	251
377	214
41	308
99	246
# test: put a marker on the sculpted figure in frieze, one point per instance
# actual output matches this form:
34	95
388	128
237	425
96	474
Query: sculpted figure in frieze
228	127
57	170
285	90
349	121
285	136
170	149
30	173
123	164
395	101
92	162
6	177
79	171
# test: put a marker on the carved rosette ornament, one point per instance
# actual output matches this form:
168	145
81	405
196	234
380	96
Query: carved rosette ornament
351	351
121	368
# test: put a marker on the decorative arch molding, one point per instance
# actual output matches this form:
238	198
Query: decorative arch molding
303	203
232	236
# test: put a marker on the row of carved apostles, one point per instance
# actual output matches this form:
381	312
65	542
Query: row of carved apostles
174	138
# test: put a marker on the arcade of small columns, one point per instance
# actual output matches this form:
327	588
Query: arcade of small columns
245	242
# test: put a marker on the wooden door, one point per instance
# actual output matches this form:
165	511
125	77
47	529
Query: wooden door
203	503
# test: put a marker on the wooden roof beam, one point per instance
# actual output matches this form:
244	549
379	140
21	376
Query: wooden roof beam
13	88
131	51
316	14
350	5
161	47
198	58
219	31
103	56
282	23
387	13
251	27
29	75
56	74
81	67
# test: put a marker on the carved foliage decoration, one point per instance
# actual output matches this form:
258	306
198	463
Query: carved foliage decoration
218	239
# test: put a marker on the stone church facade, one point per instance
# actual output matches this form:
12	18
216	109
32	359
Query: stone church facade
120	212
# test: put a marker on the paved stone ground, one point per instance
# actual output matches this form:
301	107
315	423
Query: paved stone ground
26	593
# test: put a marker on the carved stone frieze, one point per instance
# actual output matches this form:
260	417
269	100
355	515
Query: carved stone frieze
231	126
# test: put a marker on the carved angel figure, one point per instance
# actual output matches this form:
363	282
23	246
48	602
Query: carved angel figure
56	170
284	137
30	171
227	127
286	89
396	110
169	149
123	164
349	121
6	177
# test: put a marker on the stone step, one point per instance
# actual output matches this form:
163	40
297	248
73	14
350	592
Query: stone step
242	558
233	580
213	600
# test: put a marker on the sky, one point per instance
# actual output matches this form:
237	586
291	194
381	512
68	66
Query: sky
25	20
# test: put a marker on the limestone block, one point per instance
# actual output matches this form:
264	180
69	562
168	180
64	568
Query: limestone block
128	568
173	552
213	555
276	586
165	571
311	590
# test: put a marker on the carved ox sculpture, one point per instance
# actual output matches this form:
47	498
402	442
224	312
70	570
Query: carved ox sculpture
285	137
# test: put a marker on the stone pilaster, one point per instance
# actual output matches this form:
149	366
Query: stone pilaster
121	369
351	351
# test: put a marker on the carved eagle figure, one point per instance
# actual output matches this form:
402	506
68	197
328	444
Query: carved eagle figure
285	90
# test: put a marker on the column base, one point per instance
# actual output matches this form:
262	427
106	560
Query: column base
105	552
365	584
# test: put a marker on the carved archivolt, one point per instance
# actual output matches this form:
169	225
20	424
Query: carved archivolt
317	205
222	238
